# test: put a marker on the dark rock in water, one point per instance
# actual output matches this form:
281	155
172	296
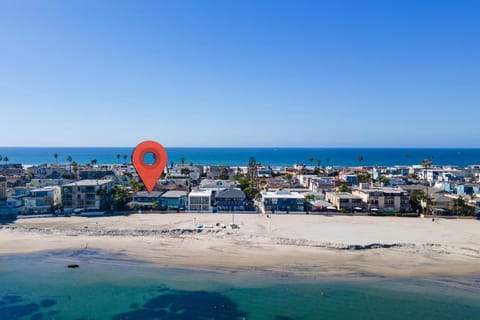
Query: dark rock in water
73	266
12	299
185	305
47	303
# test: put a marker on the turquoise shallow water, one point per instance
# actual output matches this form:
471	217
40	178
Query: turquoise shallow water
41	287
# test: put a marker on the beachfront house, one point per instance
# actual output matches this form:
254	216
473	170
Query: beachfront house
43	200
281	200
344	201
201	200
146	200
383	199
174	200
89	195
232	199
11	206
440	202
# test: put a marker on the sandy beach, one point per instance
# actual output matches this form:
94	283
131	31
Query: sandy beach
312	245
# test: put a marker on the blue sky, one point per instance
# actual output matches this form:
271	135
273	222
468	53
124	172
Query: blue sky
240	73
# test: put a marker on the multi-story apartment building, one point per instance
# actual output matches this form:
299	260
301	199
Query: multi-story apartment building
344	201
383	199
87	194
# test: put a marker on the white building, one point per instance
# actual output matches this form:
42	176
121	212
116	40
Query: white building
304	179
201	200
281	200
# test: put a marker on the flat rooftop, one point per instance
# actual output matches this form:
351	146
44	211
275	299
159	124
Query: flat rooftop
88	183
174	194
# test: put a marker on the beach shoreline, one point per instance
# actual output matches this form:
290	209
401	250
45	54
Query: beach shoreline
297	245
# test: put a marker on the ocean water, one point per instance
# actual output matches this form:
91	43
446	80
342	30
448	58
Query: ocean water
240	156
40	286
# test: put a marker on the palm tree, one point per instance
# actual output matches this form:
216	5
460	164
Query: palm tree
171	164
125	158
289	178
5	159
416	198
360	158
75	167
1	158
182	160
318	162
310	159
343	188
459	205
93	162
55	155
118	158
69	160
427	163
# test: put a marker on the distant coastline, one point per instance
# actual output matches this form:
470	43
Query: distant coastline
238	156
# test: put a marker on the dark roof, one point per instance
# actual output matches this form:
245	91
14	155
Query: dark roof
155	194
231	193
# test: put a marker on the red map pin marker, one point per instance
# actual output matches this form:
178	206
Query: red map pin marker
149	173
